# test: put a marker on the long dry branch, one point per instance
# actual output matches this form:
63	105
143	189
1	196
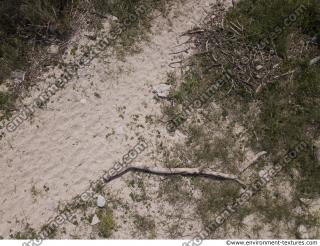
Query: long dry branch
193	172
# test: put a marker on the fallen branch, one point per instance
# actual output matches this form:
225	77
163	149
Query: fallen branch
193	172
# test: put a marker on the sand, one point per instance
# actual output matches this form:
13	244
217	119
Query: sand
52	157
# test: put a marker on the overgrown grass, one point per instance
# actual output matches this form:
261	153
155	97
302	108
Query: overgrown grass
270	20
289	112
25	25
136	16
290	115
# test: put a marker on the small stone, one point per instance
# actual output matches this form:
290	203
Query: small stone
315	40
95	220
120	130
306	201
258	76
83	101
3	88
315	60
162	90
315	206
262	173
106	26
101	201
18	75
53	49
114	18
259	67
303	232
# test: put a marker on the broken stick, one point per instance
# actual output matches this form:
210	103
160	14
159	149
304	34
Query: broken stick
253	160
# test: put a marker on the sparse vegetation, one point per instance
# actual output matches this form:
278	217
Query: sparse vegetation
107	223
138	12
145	225
7	101
26	24
287	111
27	233
271	110
27	28
214	199
288	104
50	230
34	192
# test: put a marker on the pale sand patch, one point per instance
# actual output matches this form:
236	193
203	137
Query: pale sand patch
64	146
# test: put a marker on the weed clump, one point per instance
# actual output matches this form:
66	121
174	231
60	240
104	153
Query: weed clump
107	224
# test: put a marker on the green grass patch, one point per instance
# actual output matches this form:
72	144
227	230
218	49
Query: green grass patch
269	23
286	110
289	105
107	223
28	27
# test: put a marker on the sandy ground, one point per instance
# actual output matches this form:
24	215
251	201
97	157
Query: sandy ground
64	146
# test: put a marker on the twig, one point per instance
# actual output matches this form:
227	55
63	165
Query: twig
10	145
178	62
192	32
285	74
186	42
253	160
181	51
